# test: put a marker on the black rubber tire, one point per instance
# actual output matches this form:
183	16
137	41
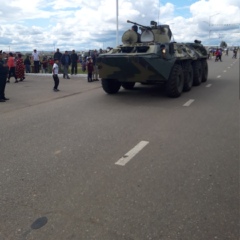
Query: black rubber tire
197	73
174	85
205	70
111	86
128	85
188	77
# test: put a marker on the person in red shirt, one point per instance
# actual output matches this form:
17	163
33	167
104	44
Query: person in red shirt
218	54
20	68
89	69
11	67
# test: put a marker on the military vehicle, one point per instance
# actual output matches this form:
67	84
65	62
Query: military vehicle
152	58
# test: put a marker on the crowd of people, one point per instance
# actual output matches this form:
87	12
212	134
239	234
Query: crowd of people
14	66
218	52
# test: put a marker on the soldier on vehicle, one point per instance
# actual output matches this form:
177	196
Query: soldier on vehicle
135	29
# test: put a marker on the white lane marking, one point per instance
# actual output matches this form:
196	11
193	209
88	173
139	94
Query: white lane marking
225	71
209	85
229	67
129	155
188	103
218	76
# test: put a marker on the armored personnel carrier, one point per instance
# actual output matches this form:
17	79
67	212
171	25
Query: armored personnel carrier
151	58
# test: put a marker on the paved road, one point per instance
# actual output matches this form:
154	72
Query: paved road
59	178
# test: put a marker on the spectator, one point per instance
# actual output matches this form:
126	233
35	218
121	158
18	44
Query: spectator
84	64
95	67
27	64
89	69
3	78
58	55
11	67
20	68
36	62
234	53
74	60
44	65
218	55
66	61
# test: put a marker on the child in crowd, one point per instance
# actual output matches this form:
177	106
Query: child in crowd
84	65
55	75
89	69
44	65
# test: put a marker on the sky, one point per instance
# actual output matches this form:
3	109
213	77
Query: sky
91	24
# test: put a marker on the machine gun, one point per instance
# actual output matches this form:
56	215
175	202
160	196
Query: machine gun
141	26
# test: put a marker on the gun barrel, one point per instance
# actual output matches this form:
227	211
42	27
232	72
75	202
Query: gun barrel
131	22
137	24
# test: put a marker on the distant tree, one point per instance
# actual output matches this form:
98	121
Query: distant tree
223	44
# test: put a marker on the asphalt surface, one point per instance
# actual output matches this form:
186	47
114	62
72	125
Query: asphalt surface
58	152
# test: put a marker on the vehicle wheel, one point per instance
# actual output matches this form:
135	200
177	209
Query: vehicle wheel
111	85
188	77
128	85
197	73
205	71
174	85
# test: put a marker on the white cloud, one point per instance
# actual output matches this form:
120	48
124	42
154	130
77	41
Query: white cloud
88	24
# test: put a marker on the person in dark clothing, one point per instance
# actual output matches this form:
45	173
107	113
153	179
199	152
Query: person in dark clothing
95	67
27	64
66	61
58	55
74	59
3	78
135	29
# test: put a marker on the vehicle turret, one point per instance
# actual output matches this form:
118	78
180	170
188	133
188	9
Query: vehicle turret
153	33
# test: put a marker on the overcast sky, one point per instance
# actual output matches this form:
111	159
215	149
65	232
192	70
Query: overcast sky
91	24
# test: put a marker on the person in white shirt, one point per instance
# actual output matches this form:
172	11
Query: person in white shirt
55	70
35	57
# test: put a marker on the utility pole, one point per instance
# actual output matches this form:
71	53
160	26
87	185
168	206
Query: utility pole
117	22
209	24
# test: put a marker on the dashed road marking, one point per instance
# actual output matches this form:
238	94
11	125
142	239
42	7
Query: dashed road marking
188	103
218	76
209	85
225	71
129	155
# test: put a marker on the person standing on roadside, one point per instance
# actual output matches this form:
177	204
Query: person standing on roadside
3	78
27	64
74	60
66	61
58	55
234	53
20	68
218	55
89	69
95	67
55	75
11	67
35	57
